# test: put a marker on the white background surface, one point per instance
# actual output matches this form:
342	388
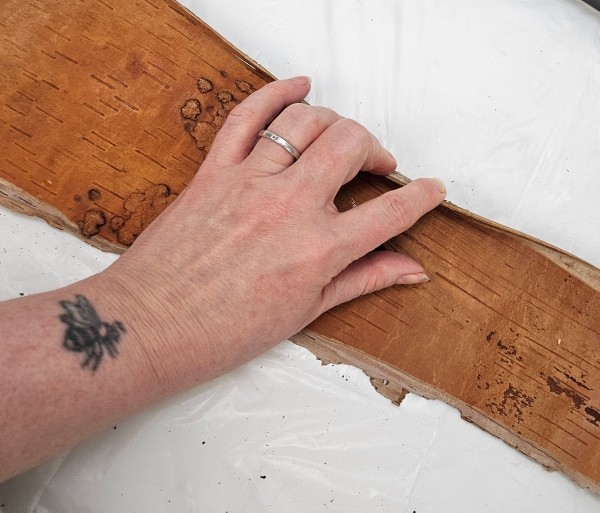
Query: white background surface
498	98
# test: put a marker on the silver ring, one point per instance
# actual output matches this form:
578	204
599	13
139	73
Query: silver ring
281	141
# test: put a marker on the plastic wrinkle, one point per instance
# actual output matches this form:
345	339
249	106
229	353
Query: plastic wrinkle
501	100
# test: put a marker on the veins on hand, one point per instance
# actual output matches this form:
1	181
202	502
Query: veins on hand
87	334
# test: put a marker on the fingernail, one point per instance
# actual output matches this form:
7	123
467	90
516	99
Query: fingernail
439	185
301	81
392	158
411	279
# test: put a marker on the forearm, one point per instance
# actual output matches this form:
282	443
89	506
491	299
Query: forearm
58	387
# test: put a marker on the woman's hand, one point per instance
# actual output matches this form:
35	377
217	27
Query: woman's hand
251	252
255	249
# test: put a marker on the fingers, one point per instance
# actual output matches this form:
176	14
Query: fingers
299	125
341	147
367	226
238	135
344	149
372	272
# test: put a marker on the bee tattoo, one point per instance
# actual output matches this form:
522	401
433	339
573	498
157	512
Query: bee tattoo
87	334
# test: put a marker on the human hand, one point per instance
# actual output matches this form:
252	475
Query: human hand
254	249
251	252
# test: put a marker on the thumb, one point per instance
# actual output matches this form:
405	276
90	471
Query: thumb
374	271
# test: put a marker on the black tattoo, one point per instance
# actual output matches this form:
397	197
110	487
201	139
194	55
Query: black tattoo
86	333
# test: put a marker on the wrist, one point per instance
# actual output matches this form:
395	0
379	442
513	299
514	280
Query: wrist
169	341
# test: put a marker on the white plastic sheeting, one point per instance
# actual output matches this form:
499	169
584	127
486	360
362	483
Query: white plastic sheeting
498	98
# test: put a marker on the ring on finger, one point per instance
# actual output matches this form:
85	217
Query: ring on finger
267	134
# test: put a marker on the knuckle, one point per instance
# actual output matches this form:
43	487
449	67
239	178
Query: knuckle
400	209
241	114
354	130
301	114
329	249
375	281
326	111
